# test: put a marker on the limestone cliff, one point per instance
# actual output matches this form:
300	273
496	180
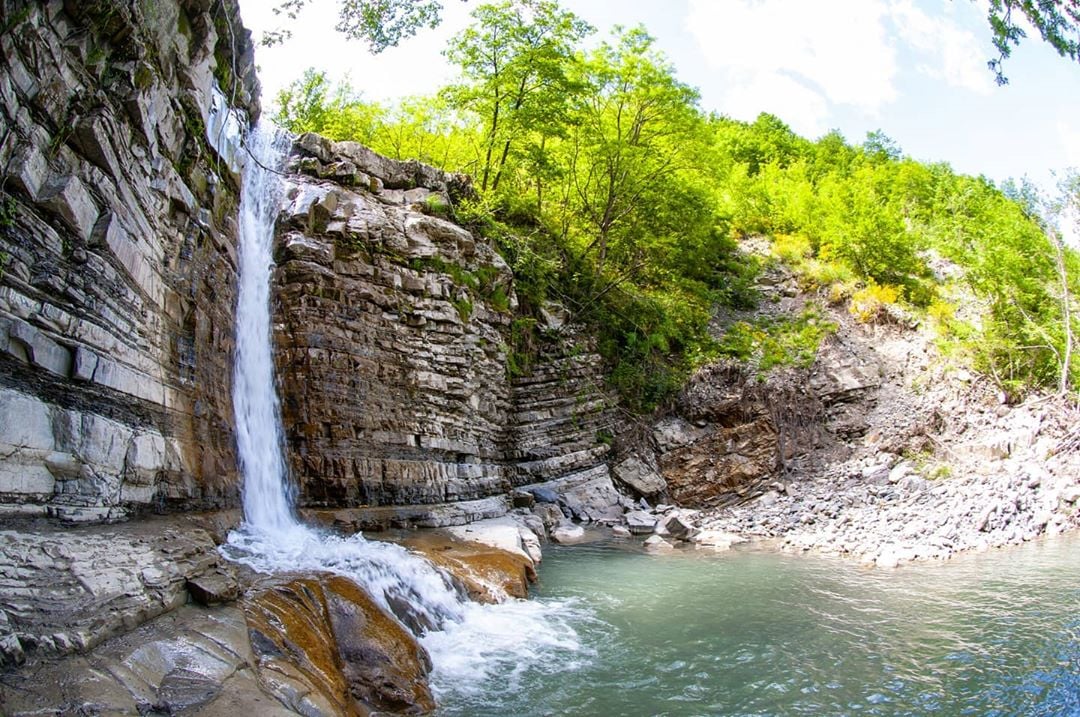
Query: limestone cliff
392	330
117	243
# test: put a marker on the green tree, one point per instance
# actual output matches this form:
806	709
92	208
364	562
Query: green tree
311	104
385	23
380	23
516	65
1058	22
636	130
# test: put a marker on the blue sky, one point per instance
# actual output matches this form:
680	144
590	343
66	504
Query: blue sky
915	69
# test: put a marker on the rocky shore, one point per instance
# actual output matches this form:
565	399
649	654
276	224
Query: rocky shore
149	618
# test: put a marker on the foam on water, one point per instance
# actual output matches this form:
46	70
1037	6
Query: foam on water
468	642
507	644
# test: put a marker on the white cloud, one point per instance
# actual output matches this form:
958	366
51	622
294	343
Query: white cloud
949	53
803	109
831	55
841	56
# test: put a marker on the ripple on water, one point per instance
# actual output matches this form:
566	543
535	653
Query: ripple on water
759	633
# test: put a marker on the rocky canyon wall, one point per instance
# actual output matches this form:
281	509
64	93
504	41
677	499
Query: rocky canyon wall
120	188
117	254
392	327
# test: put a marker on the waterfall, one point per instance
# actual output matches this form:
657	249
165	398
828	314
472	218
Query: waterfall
468	643
267	504
271	538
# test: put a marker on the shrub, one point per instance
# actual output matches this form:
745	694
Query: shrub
872	303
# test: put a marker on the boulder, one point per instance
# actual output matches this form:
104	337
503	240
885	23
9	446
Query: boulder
544	495
640	477
717	540
680	528
658	544
214	588
322	645
568	534
522	499
488	573
549	513
640	522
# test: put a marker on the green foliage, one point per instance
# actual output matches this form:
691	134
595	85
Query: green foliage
521	353
9	211
310	104
780	341
871	304
517	66
436	205
380	23
1057	22
607	190
464	308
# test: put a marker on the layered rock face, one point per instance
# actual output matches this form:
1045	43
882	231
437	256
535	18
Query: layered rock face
726	440
392	327
117	296
117	266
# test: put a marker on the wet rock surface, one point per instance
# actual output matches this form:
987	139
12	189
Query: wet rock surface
311	645
322	646
67	591
182	663
491	562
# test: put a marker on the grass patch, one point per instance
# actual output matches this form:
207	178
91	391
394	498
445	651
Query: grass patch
773	342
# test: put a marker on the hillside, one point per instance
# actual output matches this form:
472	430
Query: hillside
890	449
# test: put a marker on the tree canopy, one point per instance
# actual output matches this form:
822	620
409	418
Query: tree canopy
612	193
385	23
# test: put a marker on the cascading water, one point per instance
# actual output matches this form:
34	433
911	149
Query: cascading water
258	435
466	641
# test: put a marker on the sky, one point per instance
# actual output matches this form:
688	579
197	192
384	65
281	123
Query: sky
914	69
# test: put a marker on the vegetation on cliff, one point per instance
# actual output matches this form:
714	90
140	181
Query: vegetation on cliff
610	191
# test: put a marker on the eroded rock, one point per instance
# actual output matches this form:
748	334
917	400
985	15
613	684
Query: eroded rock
322	645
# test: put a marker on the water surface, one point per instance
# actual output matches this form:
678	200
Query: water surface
759	633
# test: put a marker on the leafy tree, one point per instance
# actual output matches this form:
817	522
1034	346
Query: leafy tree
310	104
385	23
380	23
516	64
1058	22
636	128
607	189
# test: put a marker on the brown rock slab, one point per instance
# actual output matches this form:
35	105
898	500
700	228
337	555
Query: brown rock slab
489	574
727	461
322	642
214	588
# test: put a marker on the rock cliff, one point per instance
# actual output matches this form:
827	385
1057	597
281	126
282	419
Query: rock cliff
117	243
392	327
117	296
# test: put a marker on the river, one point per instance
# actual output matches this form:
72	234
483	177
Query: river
755	632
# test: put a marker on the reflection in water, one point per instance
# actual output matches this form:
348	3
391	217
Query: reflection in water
759	633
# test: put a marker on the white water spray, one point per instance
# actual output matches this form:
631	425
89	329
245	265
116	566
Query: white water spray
467	641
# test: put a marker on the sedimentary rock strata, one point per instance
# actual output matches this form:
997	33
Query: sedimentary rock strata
117	266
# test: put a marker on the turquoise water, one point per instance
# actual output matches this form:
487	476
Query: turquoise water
753	632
